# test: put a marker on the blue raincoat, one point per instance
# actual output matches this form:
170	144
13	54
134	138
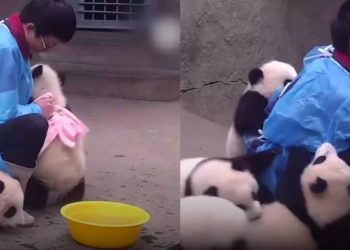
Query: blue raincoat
16	83
311	110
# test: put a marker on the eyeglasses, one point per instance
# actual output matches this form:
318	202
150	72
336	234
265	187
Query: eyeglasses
43	42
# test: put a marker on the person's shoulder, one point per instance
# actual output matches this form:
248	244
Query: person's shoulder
7	41
318	52
317	60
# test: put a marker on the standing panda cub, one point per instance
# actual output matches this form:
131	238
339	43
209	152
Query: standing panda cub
250	113
60	166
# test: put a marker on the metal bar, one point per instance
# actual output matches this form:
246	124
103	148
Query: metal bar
107	12
116	4
110	14
105	15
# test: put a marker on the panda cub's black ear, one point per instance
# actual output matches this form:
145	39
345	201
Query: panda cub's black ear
2	186
10	212
255	75
62	77
286	82
212	191
320	160
37	71
255	163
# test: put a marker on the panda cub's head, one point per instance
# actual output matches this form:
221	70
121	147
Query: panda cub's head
326	186
46	79
269	77
230	178
11	201
263	82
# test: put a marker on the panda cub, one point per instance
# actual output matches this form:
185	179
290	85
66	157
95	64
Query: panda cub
250	112
325	186
325	224
60	169
208	222
228	178
11	201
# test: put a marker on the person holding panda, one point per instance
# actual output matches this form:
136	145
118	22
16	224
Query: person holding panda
40	26
311	110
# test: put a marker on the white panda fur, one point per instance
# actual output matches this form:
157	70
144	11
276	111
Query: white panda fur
326	187
329	203
234	143
11	201
278	228
59	168
235	186
49	81
208	222
273	74
336	173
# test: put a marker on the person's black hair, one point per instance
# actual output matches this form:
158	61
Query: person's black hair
340	29
51	18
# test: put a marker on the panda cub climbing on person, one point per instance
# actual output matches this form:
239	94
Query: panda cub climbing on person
250	113
61	163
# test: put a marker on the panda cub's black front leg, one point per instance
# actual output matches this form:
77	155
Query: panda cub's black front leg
36	194
76	194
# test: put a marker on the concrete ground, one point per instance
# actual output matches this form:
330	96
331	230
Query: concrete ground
132	156
201	137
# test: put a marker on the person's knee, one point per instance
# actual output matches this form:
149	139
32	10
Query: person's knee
36	126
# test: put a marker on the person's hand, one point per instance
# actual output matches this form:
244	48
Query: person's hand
47	104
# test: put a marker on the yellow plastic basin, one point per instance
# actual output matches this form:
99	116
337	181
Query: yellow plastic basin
104	224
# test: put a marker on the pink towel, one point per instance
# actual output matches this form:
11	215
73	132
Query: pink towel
66	126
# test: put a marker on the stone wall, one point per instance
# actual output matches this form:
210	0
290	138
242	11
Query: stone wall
9	6
113	63
223	39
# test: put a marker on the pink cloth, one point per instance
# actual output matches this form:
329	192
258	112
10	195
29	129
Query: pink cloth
66	126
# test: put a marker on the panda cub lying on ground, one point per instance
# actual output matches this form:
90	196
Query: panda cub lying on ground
227	178
60	168
11	201
325	184
250	112
209	222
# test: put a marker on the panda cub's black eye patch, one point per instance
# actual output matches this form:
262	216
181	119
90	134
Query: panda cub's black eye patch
212	191
2	186
319	186
254	196
320	160
243	207
10	212
286	82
